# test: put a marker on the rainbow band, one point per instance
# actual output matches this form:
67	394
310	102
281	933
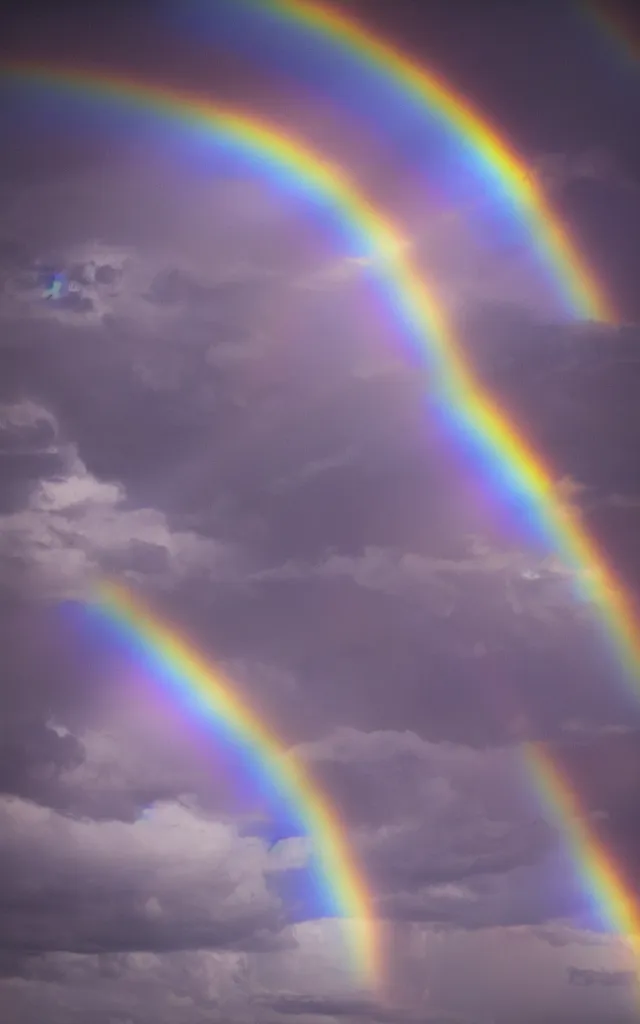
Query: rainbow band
614	22
509	171
419	312
174	659
615	899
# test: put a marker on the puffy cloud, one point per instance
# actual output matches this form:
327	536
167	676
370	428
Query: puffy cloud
76	526
170	880
27	425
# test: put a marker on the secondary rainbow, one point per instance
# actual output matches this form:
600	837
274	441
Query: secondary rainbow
171	657
510	172
459	394
612	21
614	898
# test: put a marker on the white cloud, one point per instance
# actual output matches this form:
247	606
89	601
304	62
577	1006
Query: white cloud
171	877
27	429
20	416
76	526
530	584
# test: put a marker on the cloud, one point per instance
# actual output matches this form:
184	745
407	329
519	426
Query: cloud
381	568
624	501
538	587
591	730
289	1003
497	967
512	973
352	1009
97	276
314	469
581	498
171	880
556	171
585	976
130	987
27	425
435	825
33	755
438	825
76	526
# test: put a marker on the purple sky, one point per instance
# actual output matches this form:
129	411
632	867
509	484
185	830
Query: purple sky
219	415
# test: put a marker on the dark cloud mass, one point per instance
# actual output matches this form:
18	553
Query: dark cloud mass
220	411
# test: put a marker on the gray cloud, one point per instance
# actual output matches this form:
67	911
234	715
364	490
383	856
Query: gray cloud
76	526
353	1010
443	830
429	579
555	171
192	985
584	976
172	880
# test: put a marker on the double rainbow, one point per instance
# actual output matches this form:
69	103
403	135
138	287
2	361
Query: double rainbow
419	313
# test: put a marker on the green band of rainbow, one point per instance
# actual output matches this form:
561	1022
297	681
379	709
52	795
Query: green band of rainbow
420	314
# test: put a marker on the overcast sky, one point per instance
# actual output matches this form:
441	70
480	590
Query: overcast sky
222	413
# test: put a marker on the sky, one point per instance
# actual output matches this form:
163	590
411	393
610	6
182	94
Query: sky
222	412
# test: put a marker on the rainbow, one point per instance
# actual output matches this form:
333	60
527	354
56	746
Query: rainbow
611	20
170	657
424	88
459	395
614	897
